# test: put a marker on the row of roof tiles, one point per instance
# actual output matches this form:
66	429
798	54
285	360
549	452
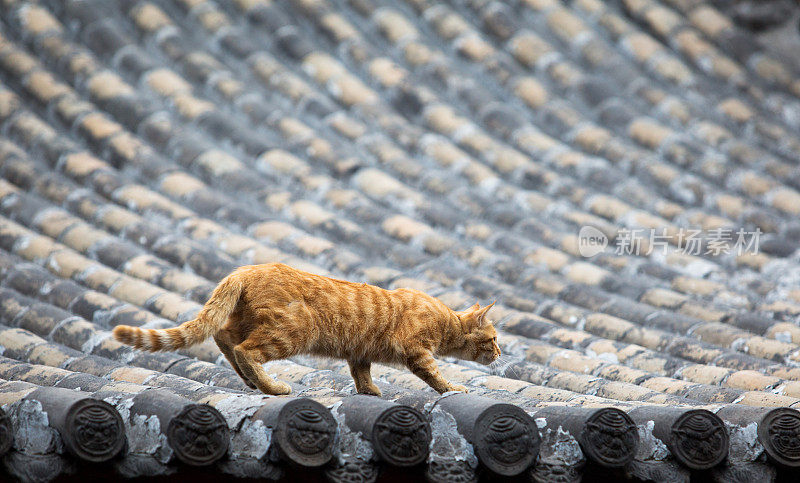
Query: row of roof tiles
481	136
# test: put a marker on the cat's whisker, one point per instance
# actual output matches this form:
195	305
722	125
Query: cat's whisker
503	319
503	365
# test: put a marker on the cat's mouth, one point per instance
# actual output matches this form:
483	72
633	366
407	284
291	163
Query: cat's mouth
487	359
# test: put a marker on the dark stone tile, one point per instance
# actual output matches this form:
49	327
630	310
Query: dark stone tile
186	148
293	43
555	121
242	184
116	253
62	293
87	304
106	183
223	126
317	106
173	249
269	17
56	188
512	243
614	114
532	328
369	213
482	287
133	63
14	369
130	110
129	316
7	240
752	322
605	178
20	172
504	214
778	247
200	294
744	362
7	263
175	383
441	215
238	43
209	264
143	233
218	124
204	202
595	90
628	309
93	365
691	350
532	178
85	12
105	37
112	351
715	394
406	101
406	257
656	270
238	215
257	109
741	45
41	318
52	149
628	288
363	7
174	46
501	119
499	20
28	279
24	207
83	382
229	380
583	296
155	361
670	321
475	96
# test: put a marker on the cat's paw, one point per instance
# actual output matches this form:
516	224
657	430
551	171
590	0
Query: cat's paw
279	389
370	390
457	388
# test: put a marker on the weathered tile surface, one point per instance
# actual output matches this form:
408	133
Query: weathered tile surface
463	149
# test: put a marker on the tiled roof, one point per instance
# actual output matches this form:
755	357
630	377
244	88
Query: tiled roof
150	147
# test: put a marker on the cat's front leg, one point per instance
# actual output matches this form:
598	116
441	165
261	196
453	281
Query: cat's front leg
424	366
362	377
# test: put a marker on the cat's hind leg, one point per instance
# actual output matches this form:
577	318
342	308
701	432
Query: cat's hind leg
224	341
362	377
424	366
250	360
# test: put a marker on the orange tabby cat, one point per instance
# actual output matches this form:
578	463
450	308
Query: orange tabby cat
261	313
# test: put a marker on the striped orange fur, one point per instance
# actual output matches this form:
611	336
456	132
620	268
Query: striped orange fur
265	312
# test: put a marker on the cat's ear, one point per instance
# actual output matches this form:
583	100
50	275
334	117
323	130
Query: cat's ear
480	314
468	318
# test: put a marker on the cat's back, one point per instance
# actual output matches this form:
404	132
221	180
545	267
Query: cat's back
277	282
280	279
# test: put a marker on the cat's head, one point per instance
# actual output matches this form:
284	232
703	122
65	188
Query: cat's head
479	335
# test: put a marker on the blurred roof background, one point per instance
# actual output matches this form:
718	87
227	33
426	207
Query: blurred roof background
555	156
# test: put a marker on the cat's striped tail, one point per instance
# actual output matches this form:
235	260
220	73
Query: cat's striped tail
207	323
